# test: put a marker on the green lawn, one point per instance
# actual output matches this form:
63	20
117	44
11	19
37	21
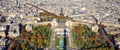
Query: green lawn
57	41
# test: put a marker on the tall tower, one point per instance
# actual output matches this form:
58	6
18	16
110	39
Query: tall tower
61	14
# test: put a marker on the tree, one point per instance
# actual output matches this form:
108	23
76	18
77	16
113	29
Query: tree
38	38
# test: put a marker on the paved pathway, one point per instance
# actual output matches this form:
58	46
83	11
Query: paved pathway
53	41
69	40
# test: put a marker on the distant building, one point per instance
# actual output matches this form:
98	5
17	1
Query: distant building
12	34
2	41
68	23
2	33
29	27
95	28
54	23
10	30
2	28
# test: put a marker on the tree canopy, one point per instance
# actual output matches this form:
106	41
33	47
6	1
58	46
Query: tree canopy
38	38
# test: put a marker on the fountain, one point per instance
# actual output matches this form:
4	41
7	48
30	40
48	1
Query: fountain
61	43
